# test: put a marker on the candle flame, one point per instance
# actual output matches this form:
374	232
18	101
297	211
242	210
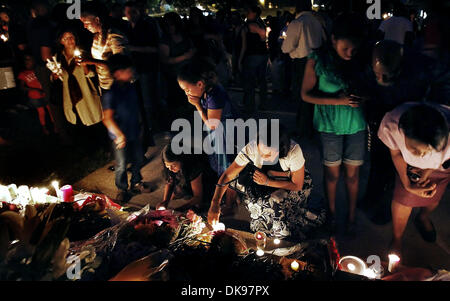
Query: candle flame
394	258
351	267
219	227
260	252
276	241
77	52
295	265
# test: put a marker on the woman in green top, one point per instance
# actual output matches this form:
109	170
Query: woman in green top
338	116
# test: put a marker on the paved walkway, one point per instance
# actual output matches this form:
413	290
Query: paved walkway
371	239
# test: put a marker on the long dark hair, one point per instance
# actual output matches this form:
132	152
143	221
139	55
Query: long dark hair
167	155
425	124
265	137
199	69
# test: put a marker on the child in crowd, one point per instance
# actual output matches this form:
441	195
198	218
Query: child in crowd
121	118
36	95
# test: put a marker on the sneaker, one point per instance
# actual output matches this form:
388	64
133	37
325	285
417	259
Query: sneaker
122	197
140	187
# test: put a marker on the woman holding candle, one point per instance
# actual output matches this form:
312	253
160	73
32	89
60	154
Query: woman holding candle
188	177
81	101
417	136
286	210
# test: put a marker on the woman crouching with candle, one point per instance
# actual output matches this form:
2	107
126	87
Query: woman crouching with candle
188	177
285	209
417	136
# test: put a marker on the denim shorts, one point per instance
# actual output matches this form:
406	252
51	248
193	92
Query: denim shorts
350	148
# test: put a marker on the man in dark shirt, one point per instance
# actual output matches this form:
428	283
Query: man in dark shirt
143	37
121	118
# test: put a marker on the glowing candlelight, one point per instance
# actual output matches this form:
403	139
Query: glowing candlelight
219	227
5	195
295	266
260	238
77	53
353	264
393	262
276	241
161	208
4	38
260	252
55	185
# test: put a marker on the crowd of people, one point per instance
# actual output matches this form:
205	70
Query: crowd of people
358	83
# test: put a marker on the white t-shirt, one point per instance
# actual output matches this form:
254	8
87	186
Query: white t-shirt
303	35
292	162
395	28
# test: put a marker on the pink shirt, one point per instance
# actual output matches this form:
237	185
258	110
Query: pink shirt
394	138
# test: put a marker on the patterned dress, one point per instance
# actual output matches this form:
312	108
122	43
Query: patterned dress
284	213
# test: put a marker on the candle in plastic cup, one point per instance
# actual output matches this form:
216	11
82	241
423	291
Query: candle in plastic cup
295	266
67	193
77	52
393	262
260	238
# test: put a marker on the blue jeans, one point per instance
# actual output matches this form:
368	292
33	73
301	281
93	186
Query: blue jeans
131	153
254	73
347	148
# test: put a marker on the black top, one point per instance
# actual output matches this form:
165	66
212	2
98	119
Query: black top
41	33
255	46
144	34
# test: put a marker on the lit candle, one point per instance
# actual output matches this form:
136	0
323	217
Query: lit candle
4	38
260	238
276	241
393	262
55	185
295	266
260	252
77	53
5	195
219	227
161	208
13	190
353	264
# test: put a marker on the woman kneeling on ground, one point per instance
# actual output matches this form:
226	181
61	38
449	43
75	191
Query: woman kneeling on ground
188	177
277	192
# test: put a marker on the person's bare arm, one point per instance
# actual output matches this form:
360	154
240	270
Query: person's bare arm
310	95
425	190
295	183
230	173
168	191
111	125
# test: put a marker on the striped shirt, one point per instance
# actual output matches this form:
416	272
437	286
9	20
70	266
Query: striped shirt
115	43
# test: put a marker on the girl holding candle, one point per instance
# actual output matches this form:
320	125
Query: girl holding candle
417	136
288	210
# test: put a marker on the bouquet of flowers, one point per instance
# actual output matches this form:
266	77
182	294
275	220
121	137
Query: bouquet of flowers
139	235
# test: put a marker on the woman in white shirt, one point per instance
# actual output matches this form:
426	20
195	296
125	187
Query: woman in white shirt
277	193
